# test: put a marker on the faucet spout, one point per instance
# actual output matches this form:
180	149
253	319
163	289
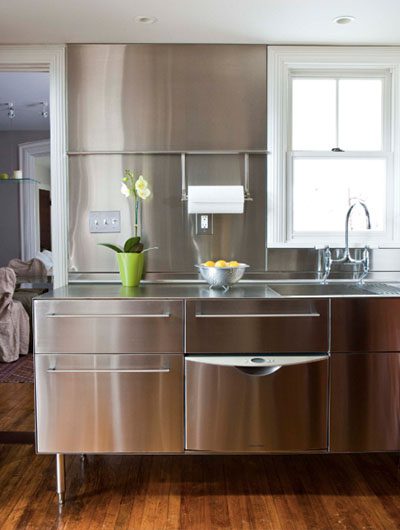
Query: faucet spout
348	215
346	256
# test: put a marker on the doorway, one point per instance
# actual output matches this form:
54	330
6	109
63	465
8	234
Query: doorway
35	199
16	398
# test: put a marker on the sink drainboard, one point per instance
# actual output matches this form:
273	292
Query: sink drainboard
382	288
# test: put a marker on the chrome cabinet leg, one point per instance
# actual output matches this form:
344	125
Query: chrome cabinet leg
60	463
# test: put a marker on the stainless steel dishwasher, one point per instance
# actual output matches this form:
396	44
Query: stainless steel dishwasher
256	403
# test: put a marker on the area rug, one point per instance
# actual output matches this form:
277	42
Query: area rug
19	371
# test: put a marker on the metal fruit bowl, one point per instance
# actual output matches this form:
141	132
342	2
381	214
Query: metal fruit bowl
222	277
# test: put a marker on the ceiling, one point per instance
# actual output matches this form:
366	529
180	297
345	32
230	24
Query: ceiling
26	90
213	21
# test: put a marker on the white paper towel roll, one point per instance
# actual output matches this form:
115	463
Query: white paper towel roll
215	199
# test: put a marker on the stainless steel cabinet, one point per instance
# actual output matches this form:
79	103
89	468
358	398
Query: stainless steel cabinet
104	326
109	403
260	404
366	325
365	402
166	97
256	326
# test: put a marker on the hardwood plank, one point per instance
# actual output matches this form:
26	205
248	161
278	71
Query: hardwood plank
16	407
201	492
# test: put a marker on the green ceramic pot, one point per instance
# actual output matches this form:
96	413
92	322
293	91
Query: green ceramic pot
130	268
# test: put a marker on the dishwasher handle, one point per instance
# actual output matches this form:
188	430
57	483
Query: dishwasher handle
256	361
259	371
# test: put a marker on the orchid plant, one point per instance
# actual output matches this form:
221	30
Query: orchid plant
138	190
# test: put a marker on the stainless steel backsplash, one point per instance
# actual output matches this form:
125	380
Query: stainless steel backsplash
170	99
94	184
125	99
166	97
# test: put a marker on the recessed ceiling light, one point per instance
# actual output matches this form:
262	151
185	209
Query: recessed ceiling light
344	20
142	19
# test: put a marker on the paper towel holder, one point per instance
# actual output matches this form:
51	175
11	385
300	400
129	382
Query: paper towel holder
246	183
215	199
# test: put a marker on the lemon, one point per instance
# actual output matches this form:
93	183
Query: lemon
221	263
233	264
209	263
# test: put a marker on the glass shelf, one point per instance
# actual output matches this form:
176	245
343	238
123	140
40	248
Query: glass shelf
19	180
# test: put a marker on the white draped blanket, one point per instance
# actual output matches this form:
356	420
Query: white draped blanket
14	320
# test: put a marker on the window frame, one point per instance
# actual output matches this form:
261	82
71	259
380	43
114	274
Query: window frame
288	62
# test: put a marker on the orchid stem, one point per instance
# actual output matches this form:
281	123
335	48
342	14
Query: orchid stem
147	249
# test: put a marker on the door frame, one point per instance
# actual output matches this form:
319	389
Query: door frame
28	197
51	59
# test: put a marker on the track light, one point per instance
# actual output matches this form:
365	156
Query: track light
11	111
45	109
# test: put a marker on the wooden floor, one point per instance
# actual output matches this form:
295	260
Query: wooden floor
314	492
199	492
16	407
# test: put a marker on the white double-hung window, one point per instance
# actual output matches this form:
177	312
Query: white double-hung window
332	140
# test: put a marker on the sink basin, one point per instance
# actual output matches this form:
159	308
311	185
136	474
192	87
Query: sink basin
315	289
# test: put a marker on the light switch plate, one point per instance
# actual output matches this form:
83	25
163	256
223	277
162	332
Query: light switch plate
104	222
204	224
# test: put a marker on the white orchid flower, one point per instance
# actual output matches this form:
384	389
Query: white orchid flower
143	194
126	192
141	184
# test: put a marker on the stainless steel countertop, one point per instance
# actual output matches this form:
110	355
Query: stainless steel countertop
200	290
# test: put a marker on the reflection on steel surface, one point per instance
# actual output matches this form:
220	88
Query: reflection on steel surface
109	403
365	402
108	326
165	219
242	326
166	97
366	325
228	410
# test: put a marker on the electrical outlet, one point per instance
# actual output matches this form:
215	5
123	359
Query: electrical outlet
204	224
104	222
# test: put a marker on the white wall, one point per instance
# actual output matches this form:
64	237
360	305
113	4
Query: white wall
10	244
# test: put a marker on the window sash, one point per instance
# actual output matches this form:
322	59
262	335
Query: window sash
303	238
353	61
384	74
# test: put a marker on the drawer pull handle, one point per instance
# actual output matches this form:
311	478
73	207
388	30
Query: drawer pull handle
261	315
109	371
103	315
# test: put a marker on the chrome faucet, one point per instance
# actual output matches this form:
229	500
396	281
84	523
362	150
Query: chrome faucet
346	254
346	257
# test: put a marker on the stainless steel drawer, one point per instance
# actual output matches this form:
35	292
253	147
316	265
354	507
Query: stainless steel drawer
366	325
109	403
247	404
104	326
257	326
